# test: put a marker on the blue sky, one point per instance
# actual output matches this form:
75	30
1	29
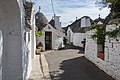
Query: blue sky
70	9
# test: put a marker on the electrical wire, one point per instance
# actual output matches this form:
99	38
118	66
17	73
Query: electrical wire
53	7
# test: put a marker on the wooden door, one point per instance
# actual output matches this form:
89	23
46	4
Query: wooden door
48	40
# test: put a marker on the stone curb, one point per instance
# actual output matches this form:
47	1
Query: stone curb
36	73
45	67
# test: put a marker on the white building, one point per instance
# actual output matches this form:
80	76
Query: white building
15	40
52	32
30	36
76	31
110	62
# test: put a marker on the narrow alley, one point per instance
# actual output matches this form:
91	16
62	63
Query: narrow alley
59	39
68	64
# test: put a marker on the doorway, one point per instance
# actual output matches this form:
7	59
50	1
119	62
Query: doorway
48	40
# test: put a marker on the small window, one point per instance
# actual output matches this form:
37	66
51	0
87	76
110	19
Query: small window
101	51
28	37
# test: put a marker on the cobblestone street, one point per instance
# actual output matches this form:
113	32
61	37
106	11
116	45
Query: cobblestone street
70	65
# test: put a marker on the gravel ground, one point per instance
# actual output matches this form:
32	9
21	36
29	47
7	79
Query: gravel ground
69	65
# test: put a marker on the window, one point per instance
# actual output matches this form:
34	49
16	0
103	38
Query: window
101	51
25	36
28	37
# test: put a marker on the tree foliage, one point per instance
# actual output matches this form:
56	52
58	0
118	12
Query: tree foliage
114	33
114	5
100	34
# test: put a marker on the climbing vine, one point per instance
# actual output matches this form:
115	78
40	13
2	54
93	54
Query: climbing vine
114	33
99	34
114	5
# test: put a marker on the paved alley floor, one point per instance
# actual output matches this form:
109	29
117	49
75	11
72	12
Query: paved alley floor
36	73
69	65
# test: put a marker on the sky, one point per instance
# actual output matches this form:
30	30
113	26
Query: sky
70	9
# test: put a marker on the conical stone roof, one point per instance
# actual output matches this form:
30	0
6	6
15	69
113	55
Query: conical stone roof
41	20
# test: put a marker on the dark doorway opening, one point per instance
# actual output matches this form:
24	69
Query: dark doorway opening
48	40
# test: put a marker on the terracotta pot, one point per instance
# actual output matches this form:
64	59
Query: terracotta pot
101	55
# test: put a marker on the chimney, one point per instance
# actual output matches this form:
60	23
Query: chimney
76	18
57	22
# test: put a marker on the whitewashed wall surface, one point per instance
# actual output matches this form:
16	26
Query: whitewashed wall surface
1	51
78	38
111	64
69	35
57	37
85	22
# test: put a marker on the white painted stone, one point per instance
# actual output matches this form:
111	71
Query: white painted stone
57	37
111	64
70	35
1	52
16	58
57	22
85	22
78	38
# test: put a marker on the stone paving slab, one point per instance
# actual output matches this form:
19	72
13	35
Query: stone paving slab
36	73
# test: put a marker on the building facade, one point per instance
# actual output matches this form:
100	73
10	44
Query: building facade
52	37
76	31
14	56
109	62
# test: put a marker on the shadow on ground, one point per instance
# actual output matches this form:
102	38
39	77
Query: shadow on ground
79	69
70	46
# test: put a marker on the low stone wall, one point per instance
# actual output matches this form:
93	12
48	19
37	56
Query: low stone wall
111	64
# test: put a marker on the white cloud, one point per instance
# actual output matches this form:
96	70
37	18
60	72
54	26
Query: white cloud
70	9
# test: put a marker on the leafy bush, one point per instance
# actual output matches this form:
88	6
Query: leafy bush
39	33
100	33
114	33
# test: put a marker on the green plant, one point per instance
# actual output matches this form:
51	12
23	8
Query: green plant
39	33
114	33
100	34
83	42
114	5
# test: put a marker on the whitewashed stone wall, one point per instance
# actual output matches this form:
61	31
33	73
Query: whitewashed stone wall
69	35
112	50
111	64
90	47
31	43
10	25
58	43
78	38
15	49
1	52
57	37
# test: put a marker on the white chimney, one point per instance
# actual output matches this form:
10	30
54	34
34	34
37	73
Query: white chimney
85	22
57	22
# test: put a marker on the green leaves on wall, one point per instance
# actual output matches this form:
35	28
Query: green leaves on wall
39	33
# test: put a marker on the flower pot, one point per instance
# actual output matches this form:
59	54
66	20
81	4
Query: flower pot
101	55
